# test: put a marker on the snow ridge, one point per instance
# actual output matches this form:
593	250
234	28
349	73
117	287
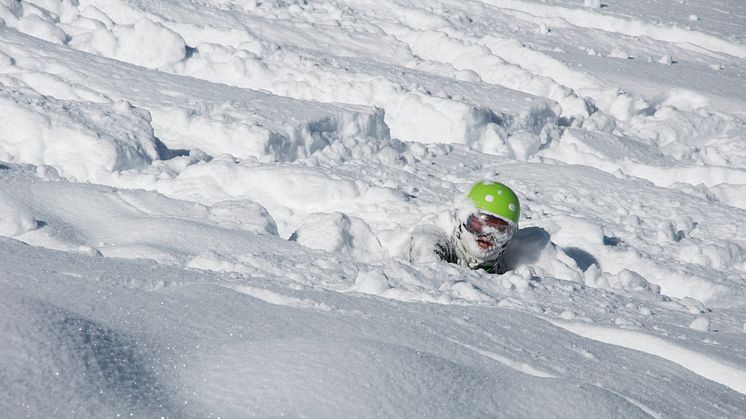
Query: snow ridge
207	208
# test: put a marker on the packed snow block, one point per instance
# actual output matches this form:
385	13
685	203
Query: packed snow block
101	220
243	215
700	323
593	4
631	281
82	140
515	136
216	130
710	146
145	43
38	27
10	12
733	195
488	118
231	128
216	118
533	246
340	233
600	149
713	255
373	282
5	61
422	106
57	10
15	218
362	122
219	63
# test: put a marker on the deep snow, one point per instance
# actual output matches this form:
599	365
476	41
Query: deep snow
206	206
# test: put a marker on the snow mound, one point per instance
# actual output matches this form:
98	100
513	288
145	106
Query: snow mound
204	343
83	141
215	119
457	113
452	99
243	215
340	233
226	129
15	220
104	370
145	43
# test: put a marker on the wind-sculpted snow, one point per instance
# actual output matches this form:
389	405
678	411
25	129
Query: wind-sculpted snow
82	140
212	118
204	343
207	208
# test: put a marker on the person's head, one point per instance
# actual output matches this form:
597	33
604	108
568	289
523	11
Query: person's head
488	219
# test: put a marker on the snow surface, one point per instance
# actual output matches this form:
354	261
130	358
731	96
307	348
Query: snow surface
206	208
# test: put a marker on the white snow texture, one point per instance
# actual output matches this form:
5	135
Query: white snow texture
207	208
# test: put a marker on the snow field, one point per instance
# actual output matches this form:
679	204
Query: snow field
728	375
219	198
219	127
206	368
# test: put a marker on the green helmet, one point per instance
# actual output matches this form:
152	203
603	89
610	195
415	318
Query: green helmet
497	199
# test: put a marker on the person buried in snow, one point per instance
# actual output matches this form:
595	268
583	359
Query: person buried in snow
484	222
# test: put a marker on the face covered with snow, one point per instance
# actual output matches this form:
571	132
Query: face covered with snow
480	234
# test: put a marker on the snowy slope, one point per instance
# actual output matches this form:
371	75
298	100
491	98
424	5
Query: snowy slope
117	336
205	208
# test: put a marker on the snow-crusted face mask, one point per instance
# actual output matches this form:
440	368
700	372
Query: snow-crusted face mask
481	235
486	246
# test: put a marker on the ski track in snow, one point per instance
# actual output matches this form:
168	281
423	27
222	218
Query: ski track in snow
652	413
701	364
205	207
279	299
632	27
518	366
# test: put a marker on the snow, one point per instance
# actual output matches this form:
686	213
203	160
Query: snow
206	208
594	4
700	323
725	374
